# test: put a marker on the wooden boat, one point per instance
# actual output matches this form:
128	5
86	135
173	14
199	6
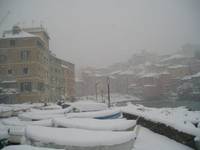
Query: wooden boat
36	115
79	139
104	114
95	124
16	128
27	147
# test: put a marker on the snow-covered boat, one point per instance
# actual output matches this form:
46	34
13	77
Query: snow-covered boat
36	115
16	127
5	112
104	114
95	124
15	134
27	147
79	139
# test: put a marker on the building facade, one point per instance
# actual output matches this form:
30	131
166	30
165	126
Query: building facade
25	59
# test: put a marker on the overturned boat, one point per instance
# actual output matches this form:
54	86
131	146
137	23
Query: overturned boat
27	147
78	139
104	114
16	128
36	115
95	124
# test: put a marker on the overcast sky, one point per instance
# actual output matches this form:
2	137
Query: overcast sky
101	32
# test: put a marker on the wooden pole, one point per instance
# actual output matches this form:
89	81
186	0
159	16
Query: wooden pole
108	85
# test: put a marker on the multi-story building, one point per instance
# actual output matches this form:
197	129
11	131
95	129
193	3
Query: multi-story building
62	82
25	58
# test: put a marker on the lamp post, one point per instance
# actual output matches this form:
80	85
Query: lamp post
108	86
96	90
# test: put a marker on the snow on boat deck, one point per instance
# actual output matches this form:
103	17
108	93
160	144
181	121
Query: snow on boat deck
77	137
96	114
95	124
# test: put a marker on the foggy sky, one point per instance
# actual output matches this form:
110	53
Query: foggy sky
101	32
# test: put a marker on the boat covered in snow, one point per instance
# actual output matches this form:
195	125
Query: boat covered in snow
79	139
27	147
16	127
36	115
104	114
95	124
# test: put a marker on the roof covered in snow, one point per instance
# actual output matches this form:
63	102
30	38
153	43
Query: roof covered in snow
21	34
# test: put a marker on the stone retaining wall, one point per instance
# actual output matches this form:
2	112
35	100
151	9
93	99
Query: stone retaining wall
165	130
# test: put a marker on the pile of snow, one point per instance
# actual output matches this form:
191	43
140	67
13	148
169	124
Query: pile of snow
84	106
94	114
27	147
95	124
76	137
179	118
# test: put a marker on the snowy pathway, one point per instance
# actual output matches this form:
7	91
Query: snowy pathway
148	140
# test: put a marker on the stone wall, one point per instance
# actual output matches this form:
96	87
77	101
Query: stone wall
165	130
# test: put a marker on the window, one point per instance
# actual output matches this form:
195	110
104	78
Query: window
9	71
25	70
39	44
26	86
3	58
41	86
24	55
12	43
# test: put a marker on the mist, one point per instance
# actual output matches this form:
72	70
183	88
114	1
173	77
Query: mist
102	32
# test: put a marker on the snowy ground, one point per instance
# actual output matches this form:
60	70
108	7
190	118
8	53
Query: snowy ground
148	140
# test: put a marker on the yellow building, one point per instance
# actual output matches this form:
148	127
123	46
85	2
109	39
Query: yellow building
25	59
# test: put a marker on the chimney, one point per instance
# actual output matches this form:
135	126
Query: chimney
16	29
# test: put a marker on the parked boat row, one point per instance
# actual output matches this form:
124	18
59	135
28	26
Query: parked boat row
71	128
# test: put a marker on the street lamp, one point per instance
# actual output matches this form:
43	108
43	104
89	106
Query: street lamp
96	84
108	86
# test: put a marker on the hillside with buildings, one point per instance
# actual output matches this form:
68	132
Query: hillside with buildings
148	76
